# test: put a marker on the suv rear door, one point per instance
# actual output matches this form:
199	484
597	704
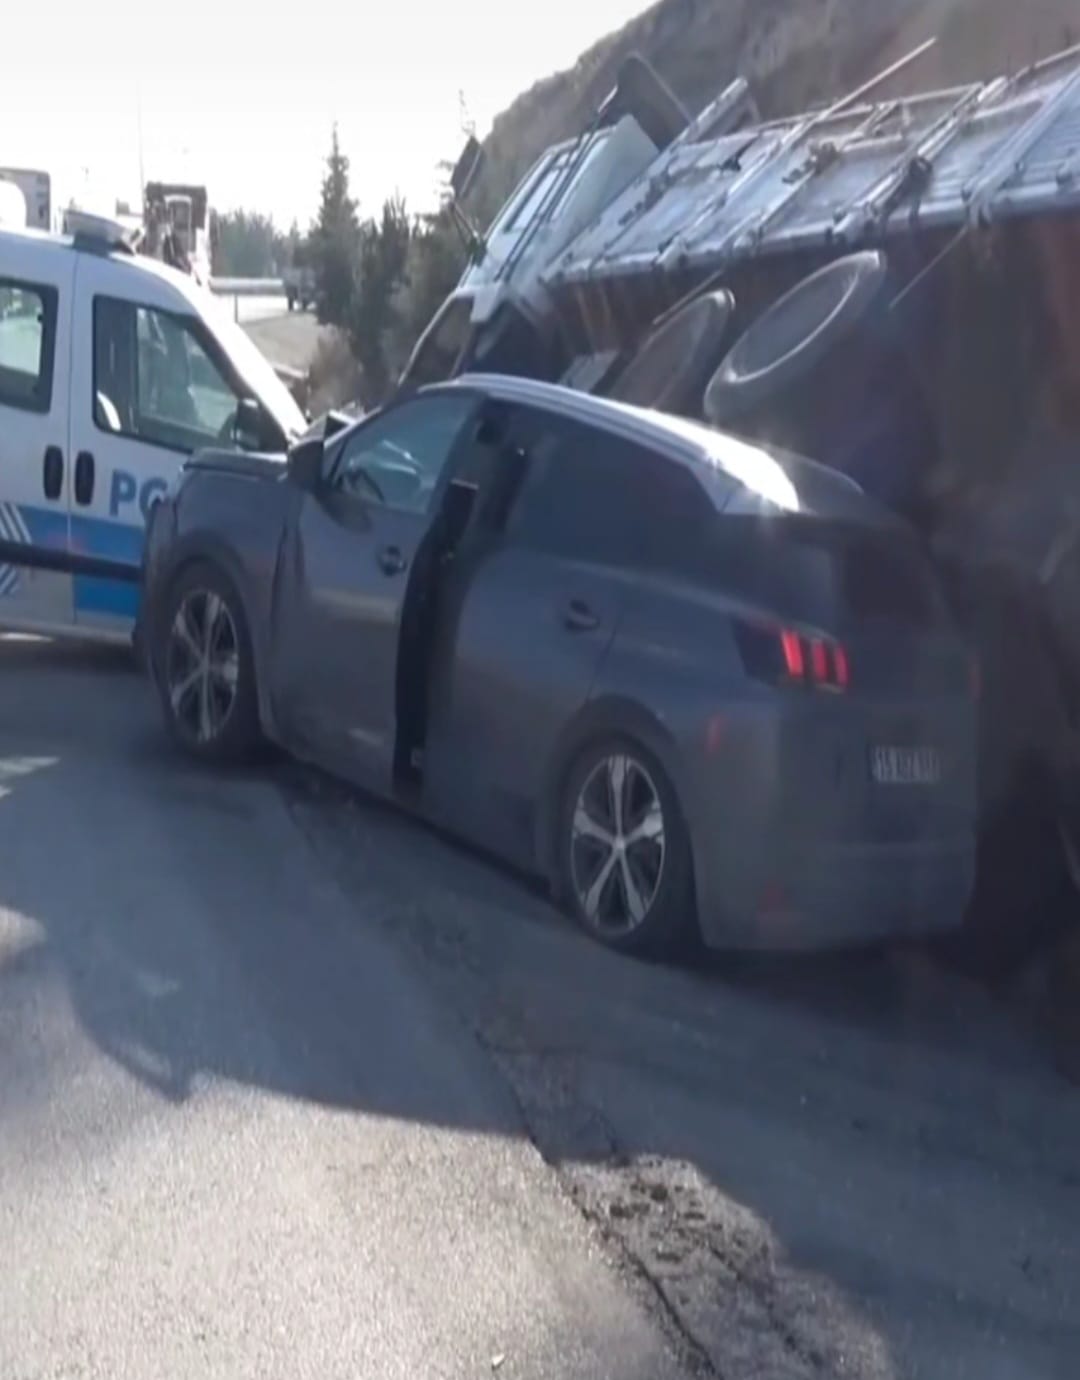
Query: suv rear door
526	611
35	327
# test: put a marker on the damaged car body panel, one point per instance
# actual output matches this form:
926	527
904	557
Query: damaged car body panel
687	680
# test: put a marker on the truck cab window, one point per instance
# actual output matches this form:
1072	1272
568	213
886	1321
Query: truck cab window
155	380
440	347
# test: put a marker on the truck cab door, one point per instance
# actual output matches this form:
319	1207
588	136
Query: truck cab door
35	334
148	388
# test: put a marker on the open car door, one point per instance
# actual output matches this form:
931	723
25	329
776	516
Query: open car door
357	555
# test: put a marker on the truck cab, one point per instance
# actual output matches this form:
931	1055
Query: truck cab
180	211
499	317
503	316
113	370
35	187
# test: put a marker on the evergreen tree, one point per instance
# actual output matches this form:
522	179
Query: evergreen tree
384	248
335	242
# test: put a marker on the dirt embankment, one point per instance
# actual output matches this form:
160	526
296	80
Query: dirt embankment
290	339
794	54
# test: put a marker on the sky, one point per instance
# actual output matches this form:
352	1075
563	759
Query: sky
243	97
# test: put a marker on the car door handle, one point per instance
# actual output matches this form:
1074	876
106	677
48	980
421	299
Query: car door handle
52	477
84	477
391	560
578	617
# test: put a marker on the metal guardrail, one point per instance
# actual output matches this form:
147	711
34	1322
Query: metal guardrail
248	287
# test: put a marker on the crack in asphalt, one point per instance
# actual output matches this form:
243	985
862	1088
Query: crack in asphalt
634	1214
693	1353
608	1065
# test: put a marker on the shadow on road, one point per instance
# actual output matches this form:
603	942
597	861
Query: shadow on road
856	1158
841	1165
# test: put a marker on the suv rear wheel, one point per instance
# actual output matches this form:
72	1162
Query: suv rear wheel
624	851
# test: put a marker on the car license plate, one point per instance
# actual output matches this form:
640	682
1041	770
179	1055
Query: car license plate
905	766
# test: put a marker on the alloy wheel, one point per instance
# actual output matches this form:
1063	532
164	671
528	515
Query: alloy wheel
202	664
617	845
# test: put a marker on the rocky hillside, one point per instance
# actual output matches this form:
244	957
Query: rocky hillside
794	52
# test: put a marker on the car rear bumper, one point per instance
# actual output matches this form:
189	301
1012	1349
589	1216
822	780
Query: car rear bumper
842	895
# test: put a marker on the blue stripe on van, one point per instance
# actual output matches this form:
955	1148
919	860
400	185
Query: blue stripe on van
94	595
90	536
116	541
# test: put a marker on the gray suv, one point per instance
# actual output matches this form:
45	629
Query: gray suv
704	688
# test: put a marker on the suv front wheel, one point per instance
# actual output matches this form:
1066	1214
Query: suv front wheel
205	669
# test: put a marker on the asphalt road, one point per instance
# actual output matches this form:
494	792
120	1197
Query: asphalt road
239	1134
289	338
293	1087
836	1166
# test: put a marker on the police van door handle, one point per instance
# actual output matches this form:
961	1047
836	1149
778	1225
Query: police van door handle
84	477
52	477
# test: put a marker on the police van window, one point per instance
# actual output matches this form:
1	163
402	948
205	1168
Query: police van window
155	381
27	344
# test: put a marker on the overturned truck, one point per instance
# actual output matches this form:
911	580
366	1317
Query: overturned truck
891	286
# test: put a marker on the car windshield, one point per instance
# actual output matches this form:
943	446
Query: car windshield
540	695
257	372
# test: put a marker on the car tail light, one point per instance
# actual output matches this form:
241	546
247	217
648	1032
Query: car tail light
783	656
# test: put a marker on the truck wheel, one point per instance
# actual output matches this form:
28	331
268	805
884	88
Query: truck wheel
670	370
795	334
205	667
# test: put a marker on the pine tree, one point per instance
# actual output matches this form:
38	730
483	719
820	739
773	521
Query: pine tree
335	242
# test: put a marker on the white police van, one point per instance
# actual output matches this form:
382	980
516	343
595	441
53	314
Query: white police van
113	369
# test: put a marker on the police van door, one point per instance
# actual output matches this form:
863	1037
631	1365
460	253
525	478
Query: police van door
146	392
35	324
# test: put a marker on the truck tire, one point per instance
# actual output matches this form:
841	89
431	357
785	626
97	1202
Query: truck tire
677	358
795	334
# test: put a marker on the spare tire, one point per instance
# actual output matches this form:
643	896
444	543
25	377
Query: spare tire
795	334
677	357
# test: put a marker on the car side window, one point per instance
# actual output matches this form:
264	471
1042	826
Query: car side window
397	458
27	344
586	495
155	380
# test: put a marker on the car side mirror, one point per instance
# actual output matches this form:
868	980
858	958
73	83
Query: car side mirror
305	464
248	427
